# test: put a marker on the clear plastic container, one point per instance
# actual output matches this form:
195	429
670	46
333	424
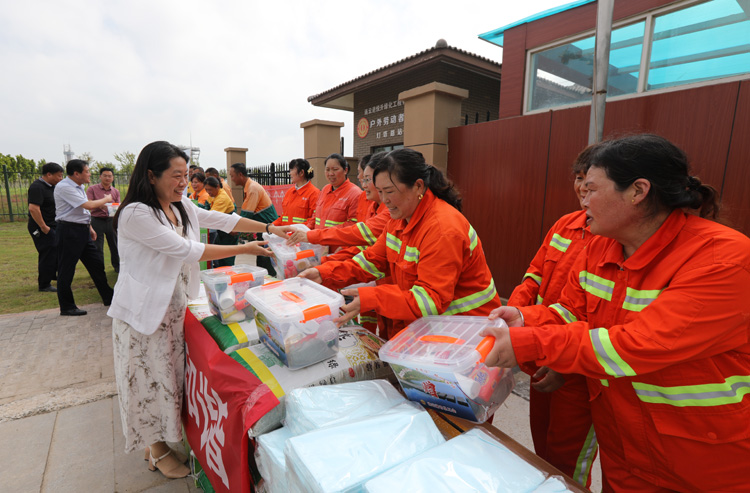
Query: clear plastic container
226	287
295	320
112	208
439	362
290	260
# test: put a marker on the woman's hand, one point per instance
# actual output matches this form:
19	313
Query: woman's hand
510	314
280	230
313	274
351	310
297	236
501	354
257	248
547	380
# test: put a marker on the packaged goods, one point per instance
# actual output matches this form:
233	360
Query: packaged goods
225	288
112	208
473	461
290	260
356	360
295	320
439	363
309	409
269	457
342	458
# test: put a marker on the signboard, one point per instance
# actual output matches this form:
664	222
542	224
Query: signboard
363	128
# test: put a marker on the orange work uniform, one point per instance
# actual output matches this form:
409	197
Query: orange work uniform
664	337
298	205
560	421
335	208
436	263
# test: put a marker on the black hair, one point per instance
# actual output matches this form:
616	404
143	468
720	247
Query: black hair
198	176
211	181
75	166
409	166
582	162
663	164
53	168
156	157
192	166
212	171
363	162
239	168
338	157
301	164
102	170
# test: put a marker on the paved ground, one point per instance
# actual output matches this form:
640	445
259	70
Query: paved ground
59	416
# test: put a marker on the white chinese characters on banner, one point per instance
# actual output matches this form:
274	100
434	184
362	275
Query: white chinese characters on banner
203	402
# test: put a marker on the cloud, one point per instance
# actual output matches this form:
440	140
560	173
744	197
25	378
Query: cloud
111	76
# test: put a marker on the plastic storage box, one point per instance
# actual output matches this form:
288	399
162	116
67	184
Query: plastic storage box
295	320
112	208
439	363
290	260
226	287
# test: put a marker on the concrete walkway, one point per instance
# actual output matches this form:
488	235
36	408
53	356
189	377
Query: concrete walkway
60	429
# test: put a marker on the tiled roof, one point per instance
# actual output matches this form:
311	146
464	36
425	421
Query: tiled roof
441	45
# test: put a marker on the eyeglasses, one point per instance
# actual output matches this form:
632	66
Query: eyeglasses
365	181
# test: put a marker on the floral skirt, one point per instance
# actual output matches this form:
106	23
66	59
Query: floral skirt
150	374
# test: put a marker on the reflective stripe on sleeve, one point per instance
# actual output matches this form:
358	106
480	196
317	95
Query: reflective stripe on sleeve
366	233
473	238
598	286
607	356
285	219
731	391
539	300
367	266
317	221
537	279
636	300
560	243
468	303
330	224
411	254
393	242
298	220
564	313
426	305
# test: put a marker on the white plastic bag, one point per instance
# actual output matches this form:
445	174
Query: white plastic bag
473	461
312	408
341	458
553	484
269	457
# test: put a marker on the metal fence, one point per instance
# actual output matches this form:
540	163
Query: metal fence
14	205
270	174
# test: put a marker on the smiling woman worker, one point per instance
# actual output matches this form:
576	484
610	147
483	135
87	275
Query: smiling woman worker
431	251
158	231
300	200
658	318
337	202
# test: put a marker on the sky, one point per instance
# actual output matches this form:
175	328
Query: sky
109	76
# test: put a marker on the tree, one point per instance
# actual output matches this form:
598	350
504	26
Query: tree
86	156
126	160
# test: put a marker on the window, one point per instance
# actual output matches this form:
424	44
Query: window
695	43
389	148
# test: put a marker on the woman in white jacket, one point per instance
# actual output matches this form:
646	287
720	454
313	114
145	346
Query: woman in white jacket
158	236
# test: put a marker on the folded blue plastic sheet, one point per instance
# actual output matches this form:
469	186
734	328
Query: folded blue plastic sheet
311	408
342	458
473	461
269	457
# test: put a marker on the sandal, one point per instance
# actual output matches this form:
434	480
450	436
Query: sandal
177	454
170	467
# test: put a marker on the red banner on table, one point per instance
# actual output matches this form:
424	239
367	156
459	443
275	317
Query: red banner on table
277	192
222	401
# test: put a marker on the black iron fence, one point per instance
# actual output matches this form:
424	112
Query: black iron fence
270	174
14	205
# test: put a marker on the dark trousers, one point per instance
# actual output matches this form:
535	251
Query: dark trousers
73	244
103	227
45	245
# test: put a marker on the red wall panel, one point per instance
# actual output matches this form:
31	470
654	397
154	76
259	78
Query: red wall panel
514	66
500	169
736	188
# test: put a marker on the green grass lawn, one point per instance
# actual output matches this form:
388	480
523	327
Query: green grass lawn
18	281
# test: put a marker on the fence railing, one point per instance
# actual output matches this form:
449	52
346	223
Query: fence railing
14	203
271	174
